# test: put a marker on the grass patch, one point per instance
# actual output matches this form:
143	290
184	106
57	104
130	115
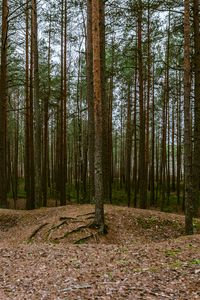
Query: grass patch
172	252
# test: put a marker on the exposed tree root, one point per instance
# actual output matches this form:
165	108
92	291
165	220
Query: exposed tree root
90	218
72	231
87	214
66	218
103	229
33	234
58	225
81	240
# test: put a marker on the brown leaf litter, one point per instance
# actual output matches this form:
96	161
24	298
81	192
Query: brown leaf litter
52	253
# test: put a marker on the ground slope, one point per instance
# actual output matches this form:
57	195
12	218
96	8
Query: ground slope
53	254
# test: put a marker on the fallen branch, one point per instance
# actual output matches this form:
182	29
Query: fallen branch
35	232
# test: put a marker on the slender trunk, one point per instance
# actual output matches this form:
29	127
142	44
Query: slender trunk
142	154
135	167
90	101
173	148
196	161
3	104
128	146
110	111
187	122
97	81
152	177
46	126
104	99
63	103
179	133
37	109
148	95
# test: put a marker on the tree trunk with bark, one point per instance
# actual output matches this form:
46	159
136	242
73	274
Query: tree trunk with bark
97	82
142	142
196	161
3	104
187	122
37	108
90	100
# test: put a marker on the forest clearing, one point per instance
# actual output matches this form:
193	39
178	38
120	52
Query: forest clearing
145	255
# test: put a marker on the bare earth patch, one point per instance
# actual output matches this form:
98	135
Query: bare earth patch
52	253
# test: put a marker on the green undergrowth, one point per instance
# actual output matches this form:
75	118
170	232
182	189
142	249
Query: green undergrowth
119	197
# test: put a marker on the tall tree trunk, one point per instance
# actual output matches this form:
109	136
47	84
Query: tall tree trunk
16	155
105	106
37	108
142	154
3	104
29	140
152	176
148	94
179	134
90	101
135	166
173	147
110	127
128	146
163	155
168	107
46	123
196	161
63	103
187	122
168	153
97	81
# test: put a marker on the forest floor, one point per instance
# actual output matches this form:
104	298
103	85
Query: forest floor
51	253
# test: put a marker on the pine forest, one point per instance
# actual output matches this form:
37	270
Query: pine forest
100	120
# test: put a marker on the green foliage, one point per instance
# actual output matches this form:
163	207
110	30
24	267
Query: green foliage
149	222
196	226
171	205
172	252
119	197
195	262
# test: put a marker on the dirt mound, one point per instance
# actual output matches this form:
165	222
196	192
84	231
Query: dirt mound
53	254
71	224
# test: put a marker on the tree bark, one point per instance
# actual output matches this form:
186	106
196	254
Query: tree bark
196	161
90	101
97	82
3	105
29	139
37	108
142	143
187	122
129	133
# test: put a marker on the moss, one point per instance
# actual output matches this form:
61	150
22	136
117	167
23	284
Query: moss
172	252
